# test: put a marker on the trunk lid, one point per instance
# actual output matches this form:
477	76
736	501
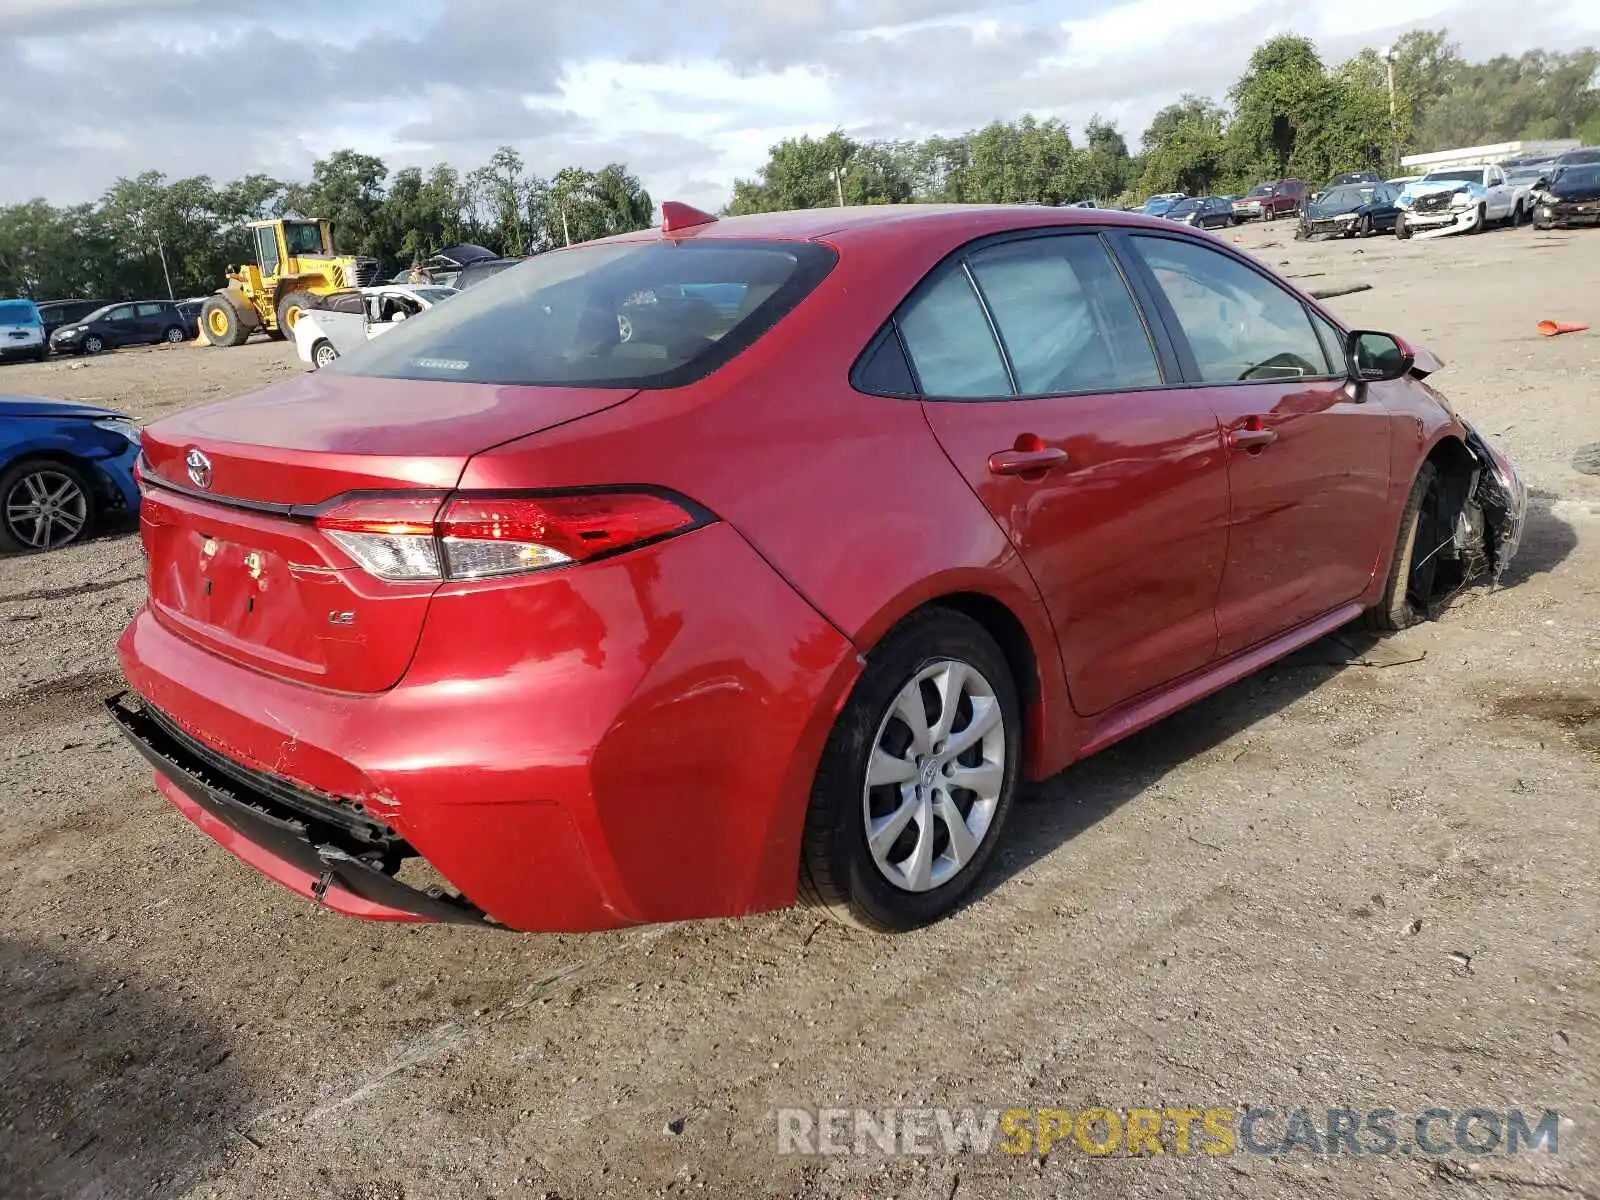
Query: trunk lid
236	564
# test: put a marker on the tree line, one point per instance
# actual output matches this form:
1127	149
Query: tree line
149	229
1288	114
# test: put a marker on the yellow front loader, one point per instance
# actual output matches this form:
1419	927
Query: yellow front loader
295	264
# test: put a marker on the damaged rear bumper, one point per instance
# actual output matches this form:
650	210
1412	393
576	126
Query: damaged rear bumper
305	841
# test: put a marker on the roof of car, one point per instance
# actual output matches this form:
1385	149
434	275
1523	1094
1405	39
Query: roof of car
972	220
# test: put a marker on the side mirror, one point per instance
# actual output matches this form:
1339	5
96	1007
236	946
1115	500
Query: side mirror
1375	357
1541	183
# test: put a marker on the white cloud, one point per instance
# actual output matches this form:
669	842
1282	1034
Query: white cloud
690	102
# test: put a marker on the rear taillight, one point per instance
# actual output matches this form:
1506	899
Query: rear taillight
484	537
392	537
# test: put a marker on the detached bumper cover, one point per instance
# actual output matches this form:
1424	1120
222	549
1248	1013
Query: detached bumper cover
302	841
1442	222
1345	223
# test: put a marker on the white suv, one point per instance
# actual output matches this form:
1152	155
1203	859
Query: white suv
22	331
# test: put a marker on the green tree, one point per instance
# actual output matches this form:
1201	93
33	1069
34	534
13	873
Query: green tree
1185	149
1108	168
803	172
346	188
579	205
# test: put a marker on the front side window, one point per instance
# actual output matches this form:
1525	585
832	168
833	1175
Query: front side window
567	318
1239	324
121	313
152	310
1065	316
1333	342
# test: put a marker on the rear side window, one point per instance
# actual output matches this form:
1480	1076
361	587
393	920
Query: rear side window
950	342
1065	316
612	314
18	312
1240	326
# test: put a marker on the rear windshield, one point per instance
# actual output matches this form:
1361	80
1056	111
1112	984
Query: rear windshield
611	314
18	312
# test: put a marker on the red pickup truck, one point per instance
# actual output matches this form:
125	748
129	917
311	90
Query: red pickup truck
1281	198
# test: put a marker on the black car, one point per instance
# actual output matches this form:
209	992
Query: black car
1583	156
140	323
1570	197
1354	210
56	313
1203	212
480	269
1349	177
189	314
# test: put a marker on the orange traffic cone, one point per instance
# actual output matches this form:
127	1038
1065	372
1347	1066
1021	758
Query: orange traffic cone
1552	328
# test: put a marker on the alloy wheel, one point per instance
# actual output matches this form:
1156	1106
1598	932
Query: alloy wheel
46	509
934	780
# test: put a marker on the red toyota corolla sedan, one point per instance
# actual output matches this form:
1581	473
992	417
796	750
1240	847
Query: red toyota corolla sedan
679	574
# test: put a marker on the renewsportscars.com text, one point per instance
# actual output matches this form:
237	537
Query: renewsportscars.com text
1132	1132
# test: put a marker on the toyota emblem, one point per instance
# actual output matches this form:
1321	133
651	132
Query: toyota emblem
199	468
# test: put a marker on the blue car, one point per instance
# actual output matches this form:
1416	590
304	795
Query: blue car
63	466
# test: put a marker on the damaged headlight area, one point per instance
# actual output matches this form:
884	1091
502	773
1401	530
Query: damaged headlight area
1491	512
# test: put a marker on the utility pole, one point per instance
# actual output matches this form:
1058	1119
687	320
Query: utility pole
161	250
838	182
1388	56
566	233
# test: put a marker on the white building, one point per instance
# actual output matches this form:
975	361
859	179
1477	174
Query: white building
1471	156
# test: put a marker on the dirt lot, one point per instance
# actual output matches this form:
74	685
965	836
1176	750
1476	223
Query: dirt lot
1369	876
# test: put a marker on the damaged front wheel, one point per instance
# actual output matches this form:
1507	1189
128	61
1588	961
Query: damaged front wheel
1413	572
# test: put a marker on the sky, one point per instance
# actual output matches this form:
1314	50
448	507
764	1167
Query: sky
689	94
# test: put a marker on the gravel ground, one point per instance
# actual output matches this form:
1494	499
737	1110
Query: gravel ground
1369	876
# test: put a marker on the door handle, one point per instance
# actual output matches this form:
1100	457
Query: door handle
1026	462
1252	439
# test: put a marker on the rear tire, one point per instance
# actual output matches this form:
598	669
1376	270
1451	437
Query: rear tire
1402	606
323	353
172	336
222	323
1401	229
1483	220
880	769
